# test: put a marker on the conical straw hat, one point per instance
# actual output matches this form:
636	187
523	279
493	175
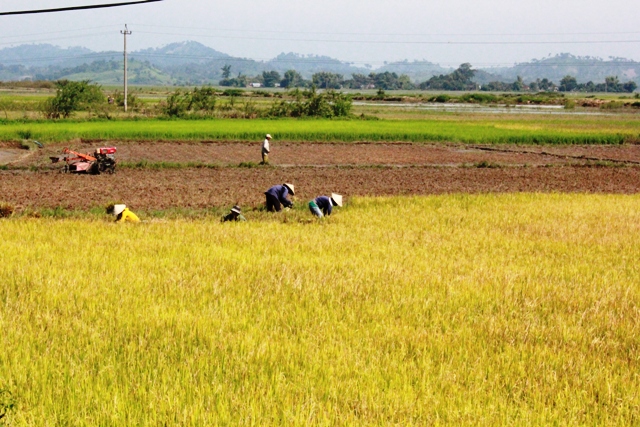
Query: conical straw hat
291	189
118	209
337	199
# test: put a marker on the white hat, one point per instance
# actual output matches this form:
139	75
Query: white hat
236	209
336	199
268	136
118	209
291	189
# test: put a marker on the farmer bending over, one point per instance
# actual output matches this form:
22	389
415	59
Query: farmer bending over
234	215
122	213
323	205
277	196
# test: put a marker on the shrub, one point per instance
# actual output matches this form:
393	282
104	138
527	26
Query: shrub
310	103
232	92
613	105
71	97
132	100
179	104
6	210
483	98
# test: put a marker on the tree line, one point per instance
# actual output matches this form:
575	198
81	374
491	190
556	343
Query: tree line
460	79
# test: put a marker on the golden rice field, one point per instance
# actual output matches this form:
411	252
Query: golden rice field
446	310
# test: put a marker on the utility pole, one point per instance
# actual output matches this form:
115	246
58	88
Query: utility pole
125	32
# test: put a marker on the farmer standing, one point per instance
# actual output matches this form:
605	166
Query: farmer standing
323	205
277	196
122	213
266	150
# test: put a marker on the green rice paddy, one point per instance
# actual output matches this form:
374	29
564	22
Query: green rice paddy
449	128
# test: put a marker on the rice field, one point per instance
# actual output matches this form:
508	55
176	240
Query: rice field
443	310
442	127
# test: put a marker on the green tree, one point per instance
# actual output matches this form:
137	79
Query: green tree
226	71
360	81
611	84
292	78
460	79
326	80
72	96
630	86
568	84
270	78
518	85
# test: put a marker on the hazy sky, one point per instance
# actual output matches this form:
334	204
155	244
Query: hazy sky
483	32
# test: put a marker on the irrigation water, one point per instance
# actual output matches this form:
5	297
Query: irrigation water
493	109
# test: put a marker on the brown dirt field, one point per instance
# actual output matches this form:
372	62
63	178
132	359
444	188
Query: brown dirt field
202	188
321	154
9	155
362	169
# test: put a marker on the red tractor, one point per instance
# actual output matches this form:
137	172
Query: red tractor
103	160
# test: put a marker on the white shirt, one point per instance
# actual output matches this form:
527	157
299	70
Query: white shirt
265	146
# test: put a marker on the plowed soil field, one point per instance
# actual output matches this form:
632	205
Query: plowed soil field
328	154
349	169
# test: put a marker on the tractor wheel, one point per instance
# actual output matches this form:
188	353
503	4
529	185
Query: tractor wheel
94	169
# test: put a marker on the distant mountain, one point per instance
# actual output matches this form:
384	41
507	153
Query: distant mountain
40	55
188	52
111	72
192	63
583	68
308	65
418	71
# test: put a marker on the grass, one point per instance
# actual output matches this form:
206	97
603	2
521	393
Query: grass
444	310
442	127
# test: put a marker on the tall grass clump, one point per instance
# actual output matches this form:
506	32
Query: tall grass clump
445	310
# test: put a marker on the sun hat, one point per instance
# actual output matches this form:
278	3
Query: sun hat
236	209
291	189
336	199
118	209
268	136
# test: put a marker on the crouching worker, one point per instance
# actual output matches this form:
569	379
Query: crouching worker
277	196
122	213
234	215
323	205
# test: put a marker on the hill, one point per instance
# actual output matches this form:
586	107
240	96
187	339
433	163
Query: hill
192	63
584	69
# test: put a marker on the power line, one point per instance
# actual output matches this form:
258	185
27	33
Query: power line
275	61
55	38
58	32
401	42
261	31
66	9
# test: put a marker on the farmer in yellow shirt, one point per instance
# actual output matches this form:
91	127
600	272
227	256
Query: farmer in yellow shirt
123	214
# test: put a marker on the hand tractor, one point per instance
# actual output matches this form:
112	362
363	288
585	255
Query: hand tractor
103	160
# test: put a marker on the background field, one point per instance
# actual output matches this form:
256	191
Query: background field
483	310
450	127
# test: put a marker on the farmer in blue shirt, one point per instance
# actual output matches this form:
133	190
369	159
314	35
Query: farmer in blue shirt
323	205
277	196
